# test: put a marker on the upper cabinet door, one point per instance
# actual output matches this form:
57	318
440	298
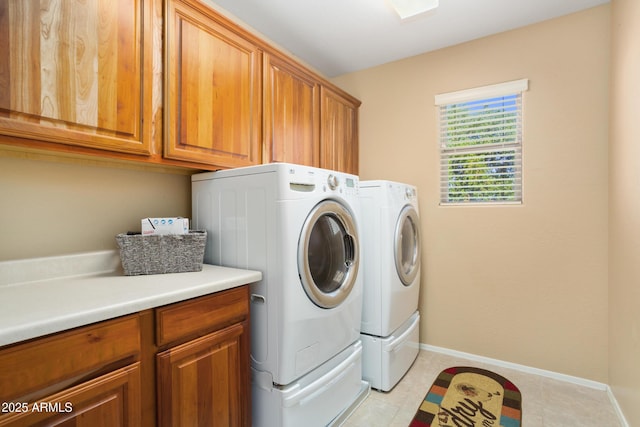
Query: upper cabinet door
339	131
77	72
213	104
291	113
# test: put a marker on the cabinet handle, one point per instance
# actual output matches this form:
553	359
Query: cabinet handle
258	299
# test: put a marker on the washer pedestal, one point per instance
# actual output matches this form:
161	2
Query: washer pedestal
325	396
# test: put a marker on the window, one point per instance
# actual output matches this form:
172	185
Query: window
481	144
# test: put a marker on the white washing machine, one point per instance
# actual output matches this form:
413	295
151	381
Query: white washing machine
391	268
298	225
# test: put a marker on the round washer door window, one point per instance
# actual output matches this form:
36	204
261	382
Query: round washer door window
407	250
328	254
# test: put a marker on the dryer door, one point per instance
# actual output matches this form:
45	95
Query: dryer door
328	254
407	245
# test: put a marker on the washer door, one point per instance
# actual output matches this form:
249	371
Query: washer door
328	254
407	247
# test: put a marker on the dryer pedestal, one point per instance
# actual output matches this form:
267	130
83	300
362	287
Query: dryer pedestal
385	360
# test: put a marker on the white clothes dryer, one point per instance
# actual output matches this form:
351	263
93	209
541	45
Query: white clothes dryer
391	267
298	226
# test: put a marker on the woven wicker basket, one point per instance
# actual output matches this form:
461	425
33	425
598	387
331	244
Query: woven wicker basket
159	254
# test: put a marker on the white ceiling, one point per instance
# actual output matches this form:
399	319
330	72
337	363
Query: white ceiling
341	36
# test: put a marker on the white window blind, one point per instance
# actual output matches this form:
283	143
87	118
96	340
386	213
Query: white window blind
481	144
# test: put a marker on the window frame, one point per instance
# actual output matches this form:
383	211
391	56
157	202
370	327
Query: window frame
479	94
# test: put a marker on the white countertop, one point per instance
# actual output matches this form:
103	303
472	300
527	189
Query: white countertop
40	296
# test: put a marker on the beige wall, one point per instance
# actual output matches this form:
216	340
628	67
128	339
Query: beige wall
525	284
53	206
624	209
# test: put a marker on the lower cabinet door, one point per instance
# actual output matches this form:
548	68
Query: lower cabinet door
110	400
205	382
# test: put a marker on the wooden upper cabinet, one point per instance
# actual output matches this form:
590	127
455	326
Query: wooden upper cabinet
213	92
291	113
86	77
339	131
77	72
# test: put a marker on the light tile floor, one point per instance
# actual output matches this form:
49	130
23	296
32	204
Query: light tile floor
545	402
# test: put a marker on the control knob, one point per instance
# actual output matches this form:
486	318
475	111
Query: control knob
332	181
410	193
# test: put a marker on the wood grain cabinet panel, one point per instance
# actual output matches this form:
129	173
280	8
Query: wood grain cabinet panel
183	364
188	319
51	362
339	131
291	113
214	92
112	400
87	77
77	72
205	381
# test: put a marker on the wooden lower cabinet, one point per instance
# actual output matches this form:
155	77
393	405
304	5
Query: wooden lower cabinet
183	364
111	400
88	376
203	361
200	383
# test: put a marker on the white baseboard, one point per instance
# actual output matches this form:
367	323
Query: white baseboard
535	371
617	407
515	366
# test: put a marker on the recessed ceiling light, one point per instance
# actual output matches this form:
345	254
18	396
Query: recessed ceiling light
408	8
